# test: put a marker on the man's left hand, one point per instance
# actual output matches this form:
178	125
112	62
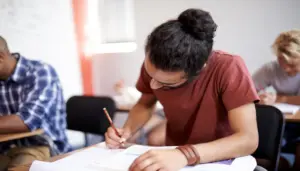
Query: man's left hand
165	160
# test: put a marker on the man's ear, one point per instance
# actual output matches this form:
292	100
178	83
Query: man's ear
2	56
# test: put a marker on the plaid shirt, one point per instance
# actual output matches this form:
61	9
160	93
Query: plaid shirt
33	92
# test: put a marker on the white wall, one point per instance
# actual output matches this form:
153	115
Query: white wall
246	27
44	30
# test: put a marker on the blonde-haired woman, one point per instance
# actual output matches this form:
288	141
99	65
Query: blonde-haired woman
284	76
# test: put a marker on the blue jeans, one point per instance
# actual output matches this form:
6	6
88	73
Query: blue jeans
291	137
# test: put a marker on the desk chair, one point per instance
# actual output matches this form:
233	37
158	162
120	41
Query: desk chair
270	122
85	114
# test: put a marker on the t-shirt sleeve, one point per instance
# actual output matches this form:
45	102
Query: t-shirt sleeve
143	83
262	77
237	87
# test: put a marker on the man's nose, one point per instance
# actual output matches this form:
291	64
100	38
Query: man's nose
155	84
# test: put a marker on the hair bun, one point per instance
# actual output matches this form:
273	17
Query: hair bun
198	23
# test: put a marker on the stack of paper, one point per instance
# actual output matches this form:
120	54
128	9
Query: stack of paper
100	158
287	108
125	158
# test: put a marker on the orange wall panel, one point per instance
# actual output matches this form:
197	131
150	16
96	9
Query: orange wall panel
80	12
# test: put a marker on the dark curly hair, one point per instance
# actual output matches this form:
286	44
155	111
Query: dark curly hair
183	44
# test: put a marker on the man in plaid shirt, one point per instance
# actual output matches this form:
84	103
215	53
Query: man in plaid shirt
30	98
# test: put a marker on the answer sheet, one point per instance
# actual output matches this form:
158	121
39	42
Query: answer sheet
287	108
100	158
123	160
90	159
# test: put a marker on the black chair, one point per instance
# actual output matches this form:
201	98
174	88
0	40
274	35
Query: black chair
85	113
270	122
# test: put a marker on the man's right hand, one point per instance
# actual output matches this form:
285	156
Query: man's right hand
112	139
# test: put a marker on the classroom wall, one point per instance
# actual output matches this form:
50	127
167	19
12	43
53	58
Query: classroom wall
247	28
44	30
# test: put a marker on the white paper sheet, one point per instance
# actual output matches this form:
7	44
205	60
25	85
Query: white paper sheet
125	158
141	149
287	108
90	159
99	158
41	166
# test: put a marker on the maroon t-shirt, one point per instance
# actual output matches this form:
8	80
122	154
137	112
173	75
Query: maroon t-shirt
198	111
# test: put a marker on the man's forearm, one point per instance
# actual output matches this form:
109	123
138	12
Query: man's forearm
229	147
288	99
12	124
138	116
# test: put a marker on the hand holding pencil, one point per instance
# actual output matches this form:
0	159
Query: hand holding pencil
266	98
114	137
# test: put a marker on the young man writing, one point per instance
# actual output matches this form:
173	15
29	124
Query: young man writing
208	97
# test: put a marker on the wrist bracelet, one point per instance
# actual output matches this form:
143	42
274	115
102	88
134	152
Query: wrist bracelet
190	153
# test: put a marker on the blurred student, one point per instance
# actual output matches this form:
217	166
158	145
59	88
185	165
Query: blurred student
126	96
30	98
284	76
208	97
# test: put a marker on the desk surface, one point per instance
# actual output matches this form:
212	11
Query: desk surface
293	118
9	137
288	117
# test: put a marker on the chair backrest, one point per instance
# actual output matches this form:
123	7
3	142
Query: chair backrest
270	122
85	113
